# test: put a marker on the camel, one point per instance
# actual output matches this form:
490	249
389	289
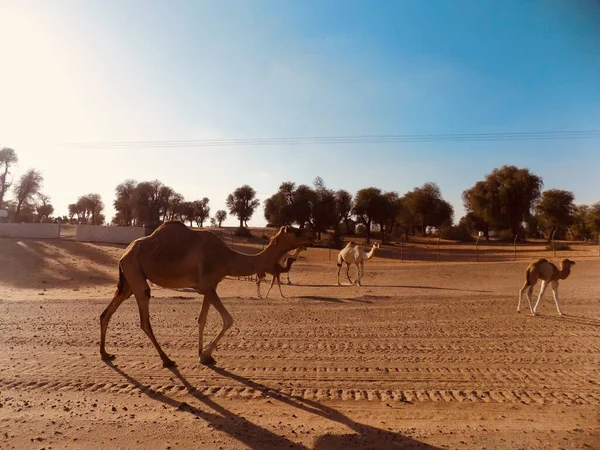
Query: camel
175	256
294	256
544	270
277	270
352	253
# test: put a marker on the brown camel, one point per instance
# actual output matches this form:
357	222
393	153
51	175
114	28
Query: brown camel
544	270
175	256
276	272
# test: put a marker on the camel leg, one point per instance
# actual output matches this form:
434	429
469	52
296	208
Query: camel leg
288	278
202	323
338	274
555	294
279	285
272	283
348	273
118	298
141	290
258	280
542	290
213	298
525	288
357	282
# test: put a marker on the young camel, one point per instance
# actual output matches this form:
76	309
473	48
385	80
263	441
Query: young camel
294	256
354	254
276	272
175	256
544	270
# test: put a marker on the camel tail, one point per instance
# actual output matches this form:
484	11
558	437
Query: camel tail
527	273
121	283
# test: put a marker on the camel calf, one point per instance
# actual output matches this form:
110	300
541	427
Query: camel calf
544	270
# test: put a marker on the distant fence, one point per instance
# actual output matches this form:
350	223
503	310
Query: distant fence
30	230
113	235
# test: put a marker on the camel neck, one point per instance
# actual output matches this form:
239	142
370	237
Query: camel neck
241	264
564	272
371	253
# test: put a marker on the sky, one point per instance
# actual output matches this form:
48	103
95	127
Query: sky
76	77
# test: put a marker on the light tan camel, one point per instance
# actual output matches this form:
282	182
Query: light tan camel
353	253
175	256
277	270
544	270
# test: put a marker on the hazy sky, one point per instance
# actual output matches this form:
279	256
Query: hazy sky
106	71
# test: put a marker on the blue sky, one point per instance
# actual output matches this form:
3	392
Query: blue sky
155	70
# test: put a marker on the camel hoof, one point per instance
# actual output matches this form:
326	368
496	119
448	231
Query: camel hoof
207	360
107	357
169	363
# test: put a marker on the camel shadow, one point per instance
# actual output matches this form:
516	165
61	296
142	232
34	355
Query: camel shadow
372	286
331	299
256	437
579	320
364	436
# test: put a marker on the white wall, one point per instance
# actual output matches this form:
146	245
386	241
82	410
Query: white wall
113	235
30	230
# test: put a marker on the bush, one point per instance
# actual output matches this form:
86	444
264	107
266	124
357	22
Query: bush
558	246
242	232
361	229
456	233
506	236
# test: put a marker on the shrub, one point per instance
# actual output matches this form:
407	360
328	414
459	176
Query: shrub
558	246
506	236
361	229
456	233
242	232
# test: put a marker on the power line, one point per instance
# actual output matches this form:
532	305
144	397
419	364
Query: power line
346	140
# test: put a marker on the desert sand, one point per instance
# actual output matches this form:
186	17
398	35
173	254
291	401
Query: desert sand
425	354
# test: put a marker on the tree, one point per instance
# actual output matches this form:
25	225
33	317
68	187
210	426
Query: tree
343	208
201	211
427	206
242	203
505	198
125	203
8	157
44	208
368	207
26	189
220	216
173	206
579	228
88	209
592	219
556	210
150	203
323	214
278	209
188	212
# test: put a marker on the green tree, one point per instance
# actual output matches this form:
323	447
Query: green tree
201	211
25	190
242	203
505	198
220	216
323	214
8	158
368	208
579	228
555	210
427	206
44	208
124	203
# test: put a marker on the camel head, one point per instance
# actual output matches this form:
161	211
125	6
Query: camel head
376	245
288	238
567	263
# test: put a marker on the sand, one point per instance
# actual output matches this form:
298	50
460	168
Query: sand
424	355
